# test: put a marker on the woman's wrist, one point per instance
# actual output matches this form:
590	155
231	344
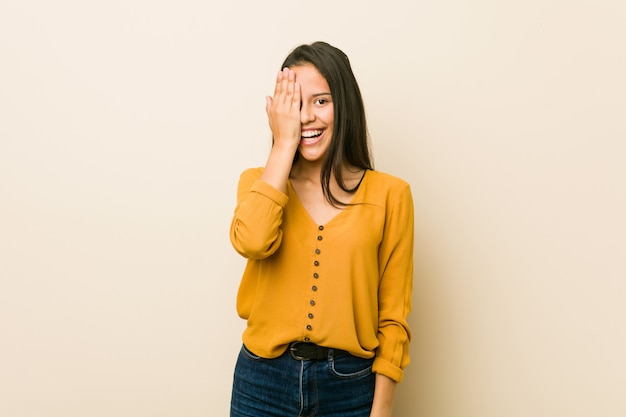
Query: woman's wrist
278	167
384	394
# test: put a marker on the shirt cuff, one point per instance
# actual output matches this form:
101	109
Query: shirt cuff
270	192
384	367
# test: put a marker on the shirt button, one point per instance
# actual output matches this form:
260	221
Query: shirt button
310	315
314	288
312	302
309	327
318	251
321	227
306	339
316	263
319	238
316	275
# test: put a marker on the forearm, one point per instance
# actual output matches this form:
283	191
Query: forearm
384	394
278	166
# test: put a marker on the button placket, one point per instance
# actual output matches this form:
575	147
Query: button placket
314	287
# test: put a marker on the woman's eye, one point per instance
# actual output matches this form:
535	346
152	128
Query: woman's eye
321	101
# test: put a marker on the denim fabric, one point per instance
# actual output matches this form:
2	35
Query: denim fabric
341	386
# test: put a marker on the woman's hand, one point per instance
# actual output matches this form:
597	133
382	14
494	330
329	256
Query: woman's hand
283	111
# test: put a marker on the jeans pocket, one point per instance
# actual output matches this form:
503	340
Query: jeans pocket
348	366
248	354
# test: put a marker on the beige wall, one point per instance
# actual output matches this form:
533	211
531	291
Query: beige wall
124	126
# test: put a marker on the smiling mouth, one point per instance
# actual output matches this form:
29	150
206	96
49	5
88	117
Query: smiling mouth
310	136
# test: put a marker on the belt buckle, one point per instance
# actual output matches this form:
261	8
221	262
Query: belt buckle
293	349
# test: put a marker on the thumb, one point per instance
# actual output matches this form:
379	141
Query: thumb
268	104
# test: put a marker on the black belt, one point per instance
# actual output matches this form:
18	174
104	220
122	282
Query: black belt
304	351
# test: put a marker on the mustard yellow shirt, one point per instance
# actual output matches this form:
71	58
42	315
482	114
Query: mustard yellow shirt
345	284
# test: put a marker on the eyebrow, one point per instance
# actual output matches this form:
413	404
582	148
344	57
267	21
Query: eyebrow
320	94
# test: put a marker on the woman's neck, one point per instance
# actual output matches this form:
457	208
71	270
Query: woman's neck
311	172
305	170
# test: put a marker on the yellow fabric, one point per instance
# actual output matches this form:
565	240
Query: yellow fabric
355	294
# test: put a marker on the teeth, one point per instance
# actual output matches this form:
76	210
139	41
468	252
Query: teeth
311	133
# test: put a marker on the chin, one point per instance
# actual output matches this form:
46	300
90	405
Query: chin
310	159
312	154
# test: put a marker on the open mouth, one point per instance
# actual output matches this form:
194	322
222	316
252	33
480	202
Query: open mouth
310	136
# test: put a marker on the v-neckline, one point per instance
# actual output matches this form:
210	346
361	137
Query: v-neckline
296	198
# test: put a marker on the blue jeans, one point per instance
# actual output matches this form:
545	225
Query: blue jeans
340	386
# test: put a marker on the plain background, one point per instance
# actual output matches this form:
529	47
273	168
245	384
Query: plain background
124	126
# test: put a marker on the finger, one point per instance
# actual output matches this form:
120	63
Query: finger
291	80
277	87
268	104
297	97
286	86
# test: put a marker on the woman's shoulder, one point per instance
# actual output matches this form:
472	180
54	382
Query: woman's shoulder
386	180
382	189
252	173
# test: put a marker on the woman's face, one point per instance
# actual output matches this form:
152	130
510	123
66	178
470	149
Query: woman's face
316	115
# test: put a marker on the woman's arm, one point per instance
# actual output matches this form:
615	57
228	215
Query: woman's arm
384	394
395	285
255	230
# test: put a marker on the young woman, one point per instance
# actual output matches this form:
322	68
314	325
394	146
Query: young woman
329	242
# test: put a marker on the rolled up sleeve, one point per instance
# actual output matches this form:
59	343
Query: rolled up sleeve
395	286
255	230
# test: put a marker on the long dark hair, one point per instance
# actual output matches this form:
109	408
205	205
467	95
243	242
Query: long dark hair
349	144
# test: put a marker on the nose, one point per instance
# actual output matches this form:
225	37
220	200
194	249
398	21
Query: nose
306	114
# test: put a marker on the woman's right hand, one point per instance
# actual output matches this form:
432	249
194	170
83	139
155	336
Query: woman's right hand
283	110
